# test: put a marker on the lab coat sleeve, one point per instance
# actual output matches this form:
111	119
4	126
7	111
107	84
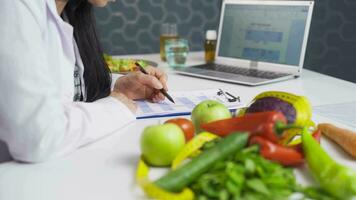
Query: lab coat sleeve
35	122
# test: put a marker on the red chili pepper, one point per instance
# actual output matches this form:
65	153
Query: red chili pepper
270	125
317	135
278	153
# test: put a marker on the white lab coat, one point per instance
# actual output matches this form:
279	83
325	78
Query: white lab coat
38	118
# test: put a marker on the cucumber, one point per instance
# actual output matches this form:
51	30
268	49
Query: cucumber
175	181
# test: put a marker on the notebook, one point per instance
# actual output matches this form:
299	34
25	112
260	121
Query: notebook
259	42
185	101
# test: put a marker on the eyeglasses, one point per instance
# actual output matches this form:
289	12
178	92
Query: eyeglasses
229	97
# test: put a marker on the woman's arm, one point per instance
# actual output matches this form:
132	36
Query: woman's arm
35	122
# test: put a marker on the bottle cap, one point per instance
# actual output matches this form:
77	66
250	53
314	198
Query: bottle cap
211	35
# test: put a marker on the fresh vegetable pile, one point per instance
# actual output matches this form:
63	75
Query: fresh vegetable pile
249	156
183	176
122	65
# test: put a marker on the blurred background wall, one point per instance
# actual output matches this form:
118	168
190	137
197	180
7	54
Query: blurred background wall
133	27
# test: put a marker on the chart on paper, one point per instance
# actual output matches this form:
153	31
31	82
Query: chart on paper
185	101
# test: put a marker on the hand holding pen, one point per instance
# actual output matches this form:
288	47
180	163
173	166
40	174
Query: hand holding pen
163	90
138	85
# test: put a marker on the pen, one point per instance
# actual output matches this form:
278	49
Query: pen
163	91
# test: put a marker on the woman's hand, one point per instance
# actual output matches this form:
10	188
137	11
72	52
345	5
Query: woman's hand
128	102
137	85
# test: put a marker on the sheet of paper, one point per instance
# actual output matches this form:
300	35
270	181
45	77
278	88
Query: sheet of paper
344	113
185	101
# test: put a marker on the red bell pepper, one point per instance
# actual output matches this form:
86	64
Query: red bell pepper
270	125
316	135
284	155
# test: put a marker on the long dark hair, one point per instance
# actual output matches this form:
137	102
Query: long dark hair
97	75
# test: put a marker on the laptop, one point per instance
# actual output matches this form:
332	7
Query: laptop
259	42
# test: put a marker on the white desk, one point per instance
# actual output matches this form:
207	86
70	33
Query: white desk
105	170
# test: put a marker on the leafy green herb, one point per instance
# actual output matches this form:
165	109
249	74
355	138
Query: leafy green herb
258	186
246	175
316	193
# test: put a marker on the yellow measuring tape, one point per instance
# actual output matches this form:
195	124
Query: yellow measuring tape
154	191
300	103
192	147
302	107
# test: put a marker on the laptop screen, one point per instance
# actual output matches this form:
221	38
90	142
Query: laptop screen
267	33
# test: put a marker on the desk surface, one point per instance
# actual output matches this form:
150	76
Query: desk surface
105	169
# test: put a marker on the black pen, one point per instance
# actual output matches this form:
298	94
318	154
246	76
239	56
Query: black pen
163	91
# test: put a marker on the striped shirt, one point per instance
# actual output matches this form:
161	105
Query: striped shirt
78	95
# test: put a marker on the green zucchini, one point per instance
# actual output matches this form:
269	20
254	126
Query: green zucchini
177	179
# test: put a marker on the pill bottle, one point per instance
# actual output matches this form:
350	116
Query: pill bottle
210	46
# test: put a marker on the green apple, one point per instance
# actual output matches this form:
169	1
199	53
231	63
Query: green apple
160	144
208	111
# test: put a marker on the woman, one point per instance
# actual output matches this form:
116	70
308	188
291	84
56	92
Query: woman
55	85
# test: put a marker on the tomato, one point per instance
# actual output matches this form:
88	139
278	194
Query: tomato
186	125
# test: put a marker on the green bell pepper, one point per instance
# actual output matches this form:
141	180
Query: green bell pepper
337	180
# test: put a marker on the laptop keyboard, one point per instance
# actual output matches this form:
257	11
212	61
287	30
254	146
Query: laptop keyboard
241	71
